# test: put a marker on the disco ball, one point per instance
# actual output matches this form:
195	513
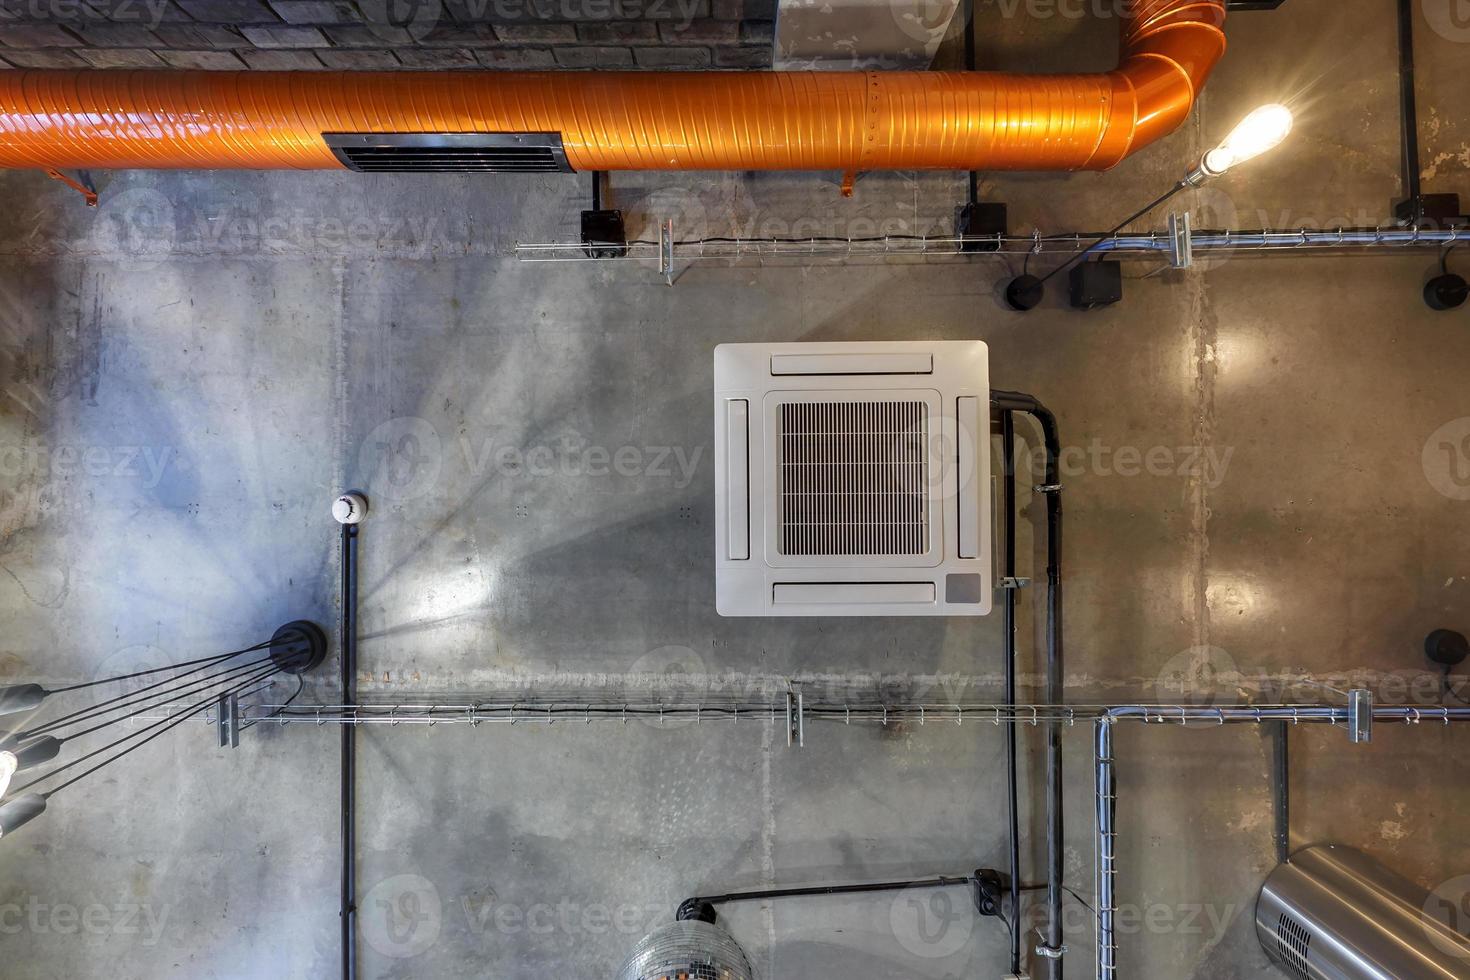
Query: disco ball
690	950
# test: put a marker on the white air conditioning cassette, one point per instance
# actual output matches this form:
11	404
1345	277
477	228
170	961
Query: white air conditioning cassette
852	479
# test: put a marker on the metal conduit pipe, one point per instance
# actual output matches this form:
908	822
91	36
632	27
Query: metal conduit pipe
1224	241
1105	877
849	121
1106	791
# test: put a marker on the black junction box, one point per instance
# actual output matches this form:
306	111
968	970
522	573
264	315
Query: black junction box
1431	209
1096	284
982	219
603	234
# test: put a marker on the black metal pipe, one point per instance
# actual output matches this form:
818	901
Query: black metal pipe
1408	110
597	190
349	753
969	14
1008	471
1055	831
1281	784
693	908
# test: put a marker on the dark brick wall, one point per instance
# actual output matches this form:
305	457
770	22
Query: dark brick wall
291	35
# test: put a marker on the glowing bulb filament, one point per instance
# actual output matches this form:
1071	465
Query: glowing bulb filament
1262	130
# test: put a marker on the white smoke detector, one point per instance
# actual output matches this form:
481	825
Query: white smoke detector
349	508
852	479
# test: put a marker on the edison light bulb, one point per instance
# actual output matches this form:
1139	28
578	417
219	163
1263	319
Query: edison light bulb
8	765
1262	130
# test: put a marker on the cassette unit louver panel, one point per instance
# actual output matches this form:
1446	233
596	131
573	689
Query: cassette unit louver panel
852	479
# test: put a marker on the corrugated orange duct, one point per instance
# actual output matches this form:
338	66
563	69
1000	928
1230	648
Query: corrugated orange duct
851	121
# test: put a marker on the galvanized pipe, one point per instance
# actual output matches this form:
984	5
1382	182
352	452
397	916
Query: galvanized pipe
1106	846
572	711
1128	245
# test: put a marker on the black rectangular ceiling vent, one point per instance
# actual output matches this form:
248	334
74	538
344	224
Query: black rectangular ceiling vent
450	153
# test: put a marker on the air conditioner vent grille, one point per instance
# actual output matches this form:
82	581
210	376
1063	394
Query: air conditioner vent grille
1293	942
853	478
493	153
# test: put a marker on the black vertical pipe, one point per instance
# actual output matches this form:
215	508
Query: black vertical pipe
1281	786
597	190
1055	865
1008	469
1055	830
349	753
969	13
1409	113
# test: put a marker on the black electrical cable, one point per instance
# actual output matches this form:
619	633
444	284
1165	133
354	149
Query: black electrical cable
689	908
111	705
157	670
167	722
168	726
300	685
1066	888
186	691
1444	257
1120	226
1449	691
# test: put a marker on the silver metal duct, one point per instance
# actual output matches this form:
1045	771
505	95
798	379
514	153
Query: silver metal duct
1332	913
688	950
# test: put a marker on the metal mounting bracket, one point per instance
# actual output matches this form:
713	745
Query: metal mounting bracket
1360	716
1010	582
666	250
1181	240
82	184
227	720
795	719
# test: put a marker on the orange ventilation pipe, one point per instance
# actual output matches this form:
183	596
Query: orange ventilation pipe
849	121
